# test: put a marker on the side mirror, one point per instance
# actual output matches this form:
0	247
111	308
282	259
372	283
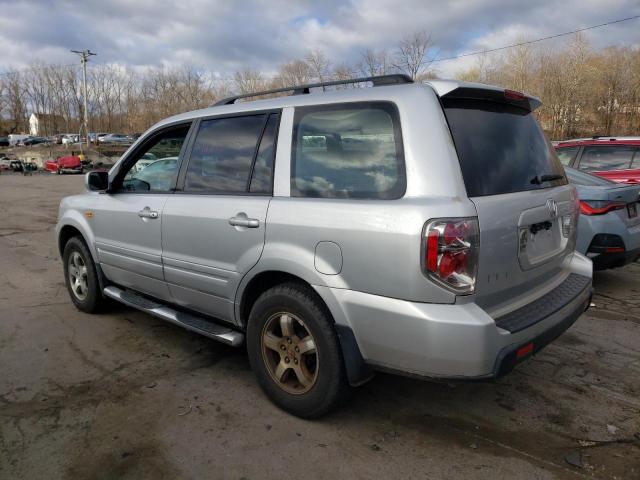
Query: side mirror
97	181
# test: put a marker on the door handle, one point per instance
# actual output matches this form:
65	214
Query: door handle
146	212
241	220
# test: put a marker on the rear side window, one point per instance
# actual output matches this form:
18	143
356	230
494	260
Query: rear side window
349	150
501	147
223	153
567	154
610	157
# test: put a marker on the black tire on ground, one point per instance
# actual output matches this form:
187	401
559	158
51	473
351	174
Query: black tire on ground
331	387
92	301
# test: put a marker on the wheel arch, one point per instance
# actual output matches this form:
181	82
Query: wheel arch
358	371
74	224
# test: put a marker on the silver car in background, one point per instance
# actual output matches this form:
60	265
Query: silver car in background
609	225
426	229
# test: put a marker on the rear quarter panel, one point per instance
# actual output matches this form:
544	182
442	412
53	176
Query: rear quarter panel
379	240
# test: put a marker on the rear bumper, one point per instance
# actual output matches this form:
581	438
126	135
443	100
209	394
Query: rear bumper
605	261
459	341
612	251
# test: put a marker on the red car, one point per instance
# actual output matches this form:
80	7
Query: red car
613	158
68	164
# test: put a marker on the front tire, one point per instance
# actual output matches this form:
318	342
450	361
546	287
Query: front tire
81	276
295	352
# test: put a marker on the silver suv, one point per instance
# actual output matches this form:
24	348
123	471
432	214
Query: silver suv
426	229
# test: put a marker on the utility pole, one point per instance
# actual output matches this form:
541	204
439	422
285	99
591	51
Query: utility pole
84	58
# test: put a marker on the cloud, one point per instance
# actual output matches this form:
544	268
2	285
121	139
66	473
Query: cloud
223	36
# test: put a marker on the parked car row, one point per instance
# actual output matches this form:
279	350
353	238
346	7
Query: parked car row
67	139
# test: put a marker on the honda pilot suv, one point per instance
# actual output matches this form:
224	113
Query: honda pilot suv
426	229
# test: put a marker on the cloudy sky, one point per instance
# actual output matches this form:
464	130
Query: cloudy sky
223	36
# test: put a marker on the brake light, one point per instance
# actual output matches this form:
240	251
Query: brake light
599	207
513	95
451	252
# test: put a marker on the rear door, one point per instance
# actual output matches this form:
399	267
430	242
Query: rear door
213	227
522	197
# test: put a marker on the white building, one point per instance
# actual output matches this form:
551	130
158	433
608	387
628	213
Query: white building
44	124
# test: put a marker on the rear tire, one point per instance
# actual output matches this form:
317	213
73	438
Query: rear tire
81	277
295	352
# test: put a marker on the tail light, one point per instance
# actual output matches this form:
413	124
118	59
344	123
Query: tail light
513	95
599	207
451	252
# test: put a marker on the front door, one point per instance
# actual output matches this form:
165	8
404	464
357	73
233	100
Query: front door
213	227
127	222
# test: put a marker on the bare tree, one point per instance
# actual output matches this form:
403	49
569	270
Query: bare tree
319	64
295	72
375	62
249	80
412	56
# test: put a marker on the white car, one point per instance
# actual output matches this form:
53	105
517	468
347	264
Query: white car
146	160
70	138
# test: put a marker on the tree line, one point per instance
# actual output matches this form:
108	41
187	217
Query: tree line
584	91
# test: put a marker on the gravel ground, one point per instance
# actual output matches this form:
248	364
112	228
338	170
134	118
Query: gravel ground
123	395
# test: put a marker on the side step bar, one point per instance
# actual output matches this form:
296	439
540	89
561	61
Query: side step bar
182	319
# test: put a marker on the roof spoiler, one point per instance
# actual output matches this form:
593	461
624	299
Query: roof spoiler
479	91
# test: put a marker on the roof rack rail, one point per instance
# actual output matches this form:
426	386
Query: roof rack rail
304	89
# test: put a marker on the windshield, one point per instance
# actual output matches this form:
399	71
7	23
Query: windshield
501	148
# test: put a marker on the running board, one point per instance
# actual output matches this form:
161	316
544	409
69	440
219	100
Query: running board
182	319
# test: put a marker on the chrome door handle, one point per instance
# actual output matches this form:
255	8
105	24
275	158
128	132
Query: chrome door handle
243	221
146	212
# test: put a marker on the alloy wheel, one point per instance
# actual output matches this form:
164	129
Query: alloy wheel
77	271
289	352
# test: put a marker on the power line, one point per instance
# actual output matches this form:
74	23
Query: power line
534	41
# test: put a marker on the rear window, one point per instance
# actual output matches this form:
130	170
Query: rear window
501	147
351	150
610	157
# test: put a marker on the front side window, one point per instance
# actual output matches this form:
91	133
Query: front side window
610	157
223	154
156	164
351	150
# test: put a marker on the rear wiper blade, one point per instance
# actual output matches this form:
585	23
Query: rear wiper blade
538	179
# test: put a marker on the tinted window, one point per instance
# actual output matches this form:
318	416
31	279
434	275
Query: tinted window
347	151
501	147
567	154
222	154
581	178
611	157
261	179
161	153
